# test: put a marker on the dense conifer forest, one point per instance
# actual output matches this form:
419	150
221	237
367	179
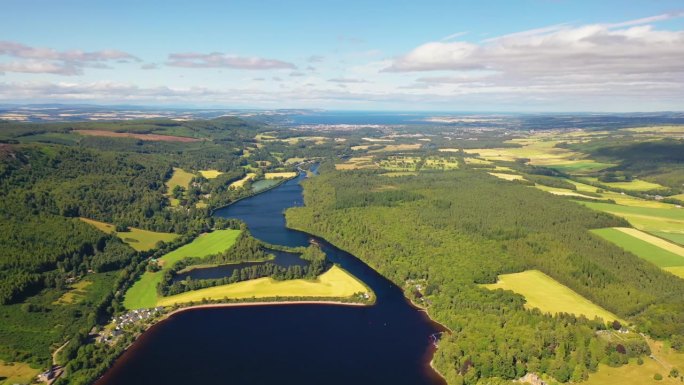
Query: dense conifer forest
460	229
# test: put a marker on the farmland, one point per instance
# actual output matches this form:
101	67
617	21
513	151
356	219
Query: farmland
662	360
139	239
240	183
180	178
549	296
655	250
280	175
16	373
76	293
334	283
210	174
144	292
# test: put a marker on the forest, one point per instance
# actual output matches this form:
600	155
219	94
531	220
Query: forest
459	229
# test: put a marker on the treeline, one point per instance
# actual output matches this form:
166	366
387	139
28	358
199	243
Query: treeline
659	161
245	249
467	228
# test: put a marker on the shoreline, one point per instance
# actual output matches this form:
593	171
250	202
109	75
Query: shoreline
263	303
422	309
280	182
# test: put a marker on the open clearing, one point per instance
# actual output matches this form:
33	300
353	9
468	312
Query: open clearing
280	175
633	185
548	295
398	147
180	177
241	182
76	293
541	152
16	373
506	176
635	374
356	163
210	174
334	283
143	293
561	191
149	137
139	239
663	244
641	247
649	219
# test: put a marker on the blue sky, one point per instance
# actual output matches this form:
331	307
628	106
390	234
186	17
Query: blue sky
535	55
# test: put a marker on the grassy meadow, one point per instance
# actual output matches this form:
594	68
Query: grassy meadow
508	177
16	373
334	283
210	174
139	239
143	293
642	247
280	175
241	182
548	295
180	178
76	293
662	361
649	219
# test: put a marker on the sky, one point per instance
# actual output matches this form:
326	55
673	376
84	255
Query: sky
508	55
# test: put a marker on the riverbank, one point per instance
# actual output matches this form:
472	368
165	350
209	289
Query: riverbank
334	283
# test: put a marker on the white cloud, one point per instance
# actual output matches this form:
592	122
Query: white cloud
222	60
28	59
626	53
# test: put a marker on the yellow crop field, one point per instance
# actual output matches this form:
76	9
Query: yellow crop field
335	282
561	191
506	176
659	242
278	175
356	163
210	174
676	270
241	182
550	296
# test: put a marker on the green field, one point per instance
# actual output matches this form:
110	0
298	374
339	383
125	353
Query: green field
677	238
649	219
334	283
180	178
664	359
641	248
139	239
580	167
16	373
633	185
77	293
143	293
548	295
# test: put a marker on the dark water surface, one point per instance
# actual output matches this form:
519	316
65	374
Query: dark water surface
388	343
282	258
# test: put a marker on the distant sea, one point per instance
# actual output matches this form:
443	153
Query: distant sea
361	117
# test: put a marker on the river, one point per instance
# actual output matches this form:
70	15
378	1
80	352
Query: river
301	344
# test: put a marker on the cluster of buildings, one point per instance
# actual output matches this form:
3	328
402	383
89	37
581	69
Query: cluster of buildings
132	318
